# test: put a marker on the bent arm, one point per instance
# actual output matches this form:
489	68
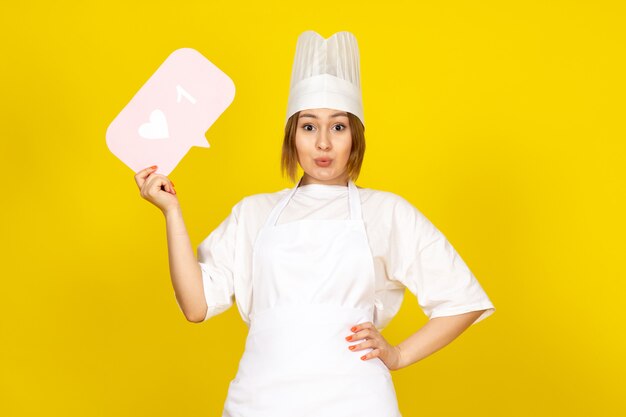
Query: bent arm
185	271
434	335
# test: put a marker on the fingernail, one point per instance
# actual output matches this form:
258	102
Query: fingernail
363	357
153	167
353	329
349	338
351	347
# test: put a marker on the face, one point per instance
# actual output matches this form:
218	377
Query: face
323	143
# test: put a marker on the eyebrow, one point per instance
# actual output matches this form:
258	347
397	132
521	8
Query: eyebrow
332	115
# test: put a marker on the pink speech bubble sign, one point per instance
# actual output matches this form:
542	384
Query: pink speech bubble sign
171	112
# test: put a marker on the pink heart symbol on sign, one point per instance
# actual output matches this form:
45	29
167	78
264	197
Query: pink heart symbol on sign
171	112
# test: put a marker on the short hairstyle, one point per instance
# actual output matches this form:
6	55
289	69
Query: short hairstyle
289	160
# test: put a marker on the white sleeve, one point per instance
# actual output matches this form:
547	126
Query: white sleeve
423	259
216	256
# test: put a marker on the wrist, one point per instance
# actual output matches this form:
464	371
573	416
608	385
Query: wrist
400	357
172	212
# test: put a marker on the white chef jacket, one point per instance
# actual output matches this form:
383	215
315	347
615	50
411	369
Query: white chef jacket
407	249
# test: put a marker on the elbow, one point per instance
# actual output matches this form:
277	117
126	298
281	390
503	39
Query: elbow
196	316
210	311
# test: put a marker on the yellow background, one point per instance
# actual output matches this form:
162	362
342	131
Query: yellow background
503	122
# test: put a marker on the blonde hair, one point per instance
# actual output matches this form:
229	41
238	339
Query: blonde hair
289	159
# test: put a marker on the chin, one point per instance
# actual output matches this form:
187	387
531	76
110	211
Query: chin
324	176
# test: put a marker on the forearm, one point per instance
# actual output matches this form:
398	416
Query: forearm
434	335
185	271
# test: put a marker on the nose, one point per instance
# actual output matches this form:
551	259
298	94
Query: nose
322	141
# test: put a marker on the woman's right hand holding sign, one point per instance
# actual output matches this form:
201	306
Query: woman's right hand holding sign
157	189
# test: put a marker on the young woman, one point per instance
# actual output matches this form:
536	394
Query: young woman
318	270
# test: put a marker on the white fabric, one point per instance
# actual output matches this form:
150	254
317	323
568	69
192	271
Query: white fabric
326	74
310	277
407	249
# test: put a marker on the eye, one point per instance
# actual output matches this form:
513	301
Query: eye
307	125
342	126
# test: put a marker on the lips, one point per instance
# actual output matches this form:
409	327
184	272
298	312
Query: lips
323	162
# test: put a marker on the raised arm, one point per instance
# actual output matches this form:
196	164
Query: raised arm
185	271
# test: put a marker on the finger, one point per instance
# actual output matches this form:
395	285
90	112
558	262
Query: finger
364	325
361	334
145	172
367	327
154	184
164	185
152	181
140	177
160	182
362	345
373	354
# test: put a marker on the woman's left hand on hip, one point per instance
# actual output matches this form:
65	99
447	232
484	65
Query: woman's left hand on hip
382	349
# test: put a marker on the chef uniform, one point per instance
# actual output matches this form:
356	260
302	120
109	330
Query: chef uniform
302	271
312	280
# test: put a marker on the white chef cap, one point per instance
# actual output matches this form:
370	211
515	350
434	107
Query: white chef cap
326	74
